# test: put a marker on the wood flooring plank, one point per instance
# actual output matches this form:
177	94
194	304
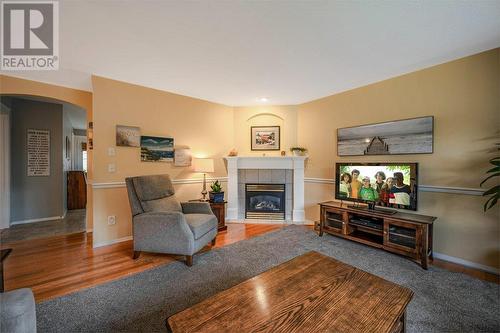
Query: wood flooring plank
60	265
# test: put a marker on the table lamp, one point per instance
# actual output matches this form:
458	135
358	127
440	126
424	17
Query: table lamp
203	165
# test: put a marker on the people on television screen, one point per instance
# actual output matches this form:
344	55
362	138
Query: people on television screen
401	190
367	192
385	192
345	185
355	184
379	181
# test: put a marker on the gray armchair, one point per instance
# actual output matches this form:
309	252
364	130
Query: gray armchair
162	224
17	311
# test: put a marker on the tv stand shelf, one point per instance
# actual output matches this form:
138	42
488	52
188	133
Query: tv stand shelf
403	233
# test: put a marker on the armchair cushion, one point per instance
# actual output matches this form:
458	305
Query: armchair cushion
200	224
167	204
153	187
196	207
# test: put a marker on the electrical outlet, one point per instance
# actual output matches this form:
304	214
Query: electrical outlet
111	220
111	167
111	151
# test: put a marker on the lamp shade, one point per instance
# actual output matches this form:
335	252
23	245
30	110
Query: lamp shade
203	165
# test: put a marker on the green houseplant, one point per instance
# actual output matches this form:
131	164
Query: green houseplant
494	192
298	151
216	194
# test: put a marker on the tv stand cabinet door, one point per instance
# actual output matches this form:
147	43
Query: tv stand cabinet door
403	238
333	220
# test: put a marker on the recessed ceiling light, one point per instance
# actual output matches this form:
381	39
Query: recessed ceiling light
263	99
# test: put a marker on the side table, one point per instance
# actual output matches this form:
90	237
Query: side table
219	210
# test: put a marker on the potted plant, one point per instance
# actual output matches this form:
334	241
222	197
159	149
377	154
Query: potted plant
298	151
216	195
494	192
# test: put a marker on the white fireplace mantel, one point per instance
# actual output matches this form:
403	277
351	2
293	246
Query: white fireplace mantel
295	163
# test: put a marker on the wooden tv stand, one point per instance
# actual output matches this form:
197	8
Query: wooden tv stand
406	234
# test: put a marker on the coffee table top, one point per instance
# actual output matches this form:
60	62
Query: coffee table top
310	293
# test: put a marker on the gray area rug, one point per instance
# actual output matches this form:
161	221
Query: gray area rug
444	301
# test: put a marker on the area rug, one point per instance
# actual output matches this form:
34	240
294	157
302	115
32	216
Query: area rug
444	301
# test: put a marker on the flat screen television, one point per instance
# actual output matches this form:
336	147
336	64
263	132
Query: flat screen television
392	185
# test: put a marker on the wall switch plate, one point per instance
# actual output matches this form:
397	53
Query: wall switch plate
111	220
111	151
111	167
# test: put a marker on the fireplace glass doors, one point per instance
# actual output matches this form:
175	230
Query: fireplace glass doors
265	201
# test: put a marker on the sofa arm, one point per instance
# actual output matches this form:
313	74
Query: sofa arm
165	232
17	311
194	207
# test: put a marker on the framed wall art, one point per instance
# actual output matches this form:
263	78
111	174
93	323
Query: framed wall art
265	137
128	136
407	136
157	149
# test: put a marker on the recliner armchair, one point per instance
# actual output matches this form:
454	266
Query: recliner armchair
162	224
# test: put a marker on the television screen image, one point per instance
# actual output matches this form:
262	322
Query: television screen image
391	185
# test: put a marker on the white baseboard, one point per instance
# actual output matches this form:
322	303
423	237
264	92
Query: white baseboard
50	218
113	241
467	263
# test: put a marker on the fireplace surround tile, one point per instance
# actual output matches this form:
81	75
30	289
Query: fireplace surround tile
251	176
265	176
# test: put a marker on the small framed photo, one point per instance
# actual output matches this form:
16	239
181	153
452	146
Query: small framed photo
265	137
128	136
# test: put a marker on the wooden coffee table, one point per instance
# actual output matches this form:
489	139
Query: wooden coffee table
310	293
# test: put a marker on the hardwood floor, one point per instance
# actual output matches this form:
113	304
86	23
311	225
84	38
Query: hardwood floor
60	265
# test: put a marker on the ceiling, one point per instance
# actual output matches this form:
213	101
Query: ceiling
236	52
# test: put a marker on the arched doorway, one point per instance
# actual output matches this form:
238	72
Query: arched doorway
21	87
43	167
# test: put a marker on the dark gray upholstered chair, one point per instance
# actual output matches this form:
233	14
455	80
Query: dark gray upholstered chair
162	224
17	311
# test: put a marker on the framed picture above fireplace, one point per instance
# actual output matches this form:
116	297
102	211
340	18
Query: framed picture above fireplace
265	137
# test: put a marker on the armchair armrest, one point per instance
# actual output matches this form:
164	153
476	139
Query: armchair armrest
194	207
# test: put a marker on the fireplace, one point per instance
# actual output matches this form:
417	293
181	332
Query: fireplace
265	201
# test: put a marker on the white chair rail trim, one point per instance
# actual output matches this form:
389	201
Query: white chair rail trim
421	188
174	181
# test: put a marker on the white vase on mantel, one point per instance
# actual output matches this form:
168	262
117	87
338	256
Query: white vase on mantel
298	153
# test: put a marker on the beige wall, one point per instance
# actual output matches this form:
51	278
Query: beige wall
246	117
464	98
203	126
